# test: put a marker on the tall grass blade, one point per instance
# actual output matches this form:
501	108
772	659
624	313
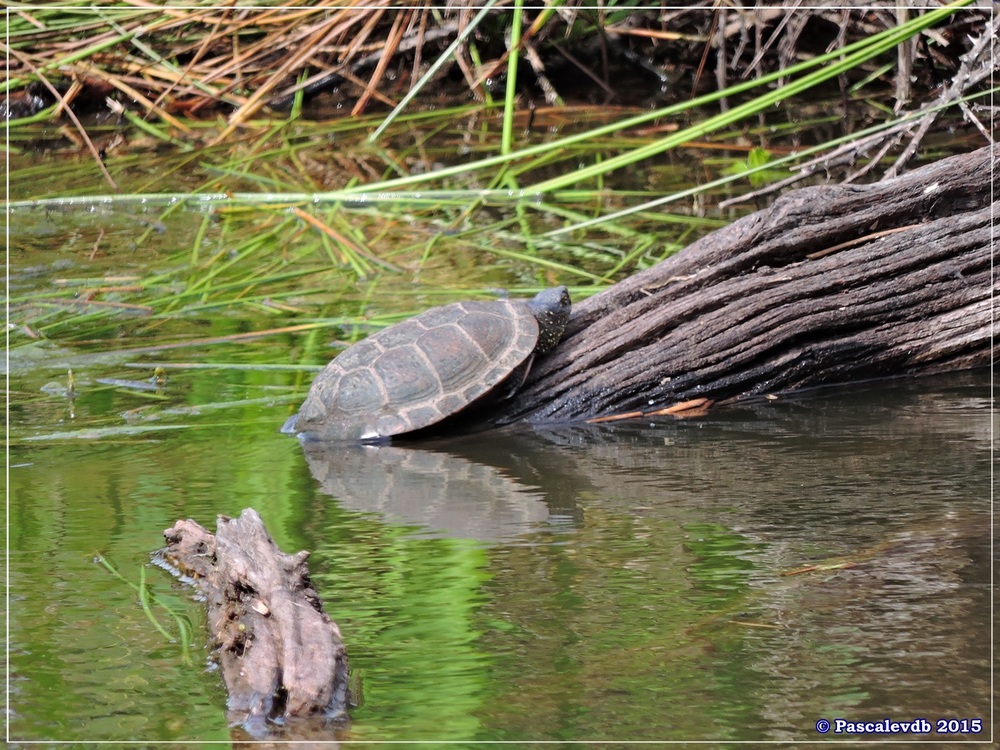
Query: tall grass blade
432	71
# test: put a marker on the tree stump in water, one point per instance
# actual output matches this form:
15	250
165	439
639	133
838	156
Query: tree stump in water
280	655
829	285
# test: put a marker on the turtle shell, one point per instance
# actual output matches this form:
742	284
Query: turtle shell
418	372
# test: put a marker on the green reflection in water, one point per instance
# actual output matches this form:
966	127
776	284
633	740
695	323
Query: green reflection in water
408	604
607	632
657	612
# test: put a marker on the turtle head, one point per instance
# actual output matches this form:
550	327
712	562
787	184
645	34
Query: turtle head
551	308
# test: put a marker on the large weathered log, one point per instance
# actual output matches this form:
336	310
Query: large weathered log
830	285
280	655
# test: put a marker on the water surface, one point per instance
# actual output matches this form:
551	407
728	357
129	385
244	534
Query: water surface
737	576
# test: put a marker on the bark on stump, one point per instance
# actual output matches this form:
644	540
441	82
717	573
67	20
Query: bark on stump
830	285
280	654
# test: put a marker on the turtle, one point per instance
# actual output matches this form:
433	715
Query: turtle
414	374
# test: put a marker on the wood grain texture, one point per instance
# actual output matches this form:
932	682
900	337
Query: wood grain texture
280	654
830	285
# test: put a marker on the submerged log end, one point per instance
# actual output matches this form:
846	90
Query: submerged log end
191	548
280	654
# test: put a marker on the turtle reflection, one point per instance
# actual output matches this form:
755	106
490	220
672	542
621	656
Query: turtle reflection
447	494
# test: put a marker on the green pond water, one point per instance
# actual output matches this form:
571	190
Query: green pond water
737	576
581	583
